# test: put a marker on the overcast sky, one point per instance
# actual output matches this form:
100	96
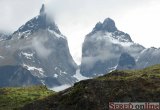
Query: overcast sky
76	18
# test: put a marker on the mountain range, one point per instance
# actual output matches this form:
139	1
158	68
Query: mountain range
38	53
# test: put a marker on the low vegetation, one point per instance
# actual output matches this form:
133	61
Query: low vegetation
95	94
15	98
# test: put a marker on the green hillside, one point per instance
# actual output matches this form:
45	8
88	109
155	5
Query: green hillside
95	94
14	98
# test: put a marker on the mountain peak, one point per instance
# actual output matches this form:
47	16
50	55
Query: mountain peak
109	20
42	10
108	25
42	21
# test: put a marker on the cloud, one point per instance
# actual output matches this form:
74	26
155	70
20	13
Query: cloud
38	44
89	62
99	52
14	13
76	18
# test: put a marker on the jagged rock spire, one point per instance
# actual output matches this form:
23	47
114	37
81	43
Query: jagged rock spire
42	21
42	10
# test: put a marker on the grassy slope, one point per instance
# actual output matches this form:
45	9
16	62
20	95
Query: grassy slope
14	98
133	86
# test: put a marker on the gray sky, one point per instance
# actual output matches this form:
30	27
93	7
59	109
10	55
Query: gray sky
76	18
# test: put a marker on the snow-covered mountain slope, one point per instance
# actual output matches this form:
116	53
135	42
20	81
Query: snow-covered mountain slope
148	57
103	46
40	47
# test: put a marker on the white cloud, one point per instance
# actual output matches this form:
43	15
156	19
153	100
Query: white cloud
76	18
14	13
38	44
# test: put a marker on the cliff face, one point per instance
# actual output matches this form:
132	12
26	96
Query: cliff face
15	76
126	61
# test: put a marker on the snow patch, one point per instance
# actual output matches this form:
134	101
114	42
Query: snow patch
25	34
43	82
79	76
60	88
27	55
57	35
59	71
115	40
31	68
55	75
112	68
125	44
51	31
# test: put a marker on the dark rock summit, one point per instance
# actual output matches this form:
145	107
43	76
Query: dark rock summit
42	10
108	25
42	21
